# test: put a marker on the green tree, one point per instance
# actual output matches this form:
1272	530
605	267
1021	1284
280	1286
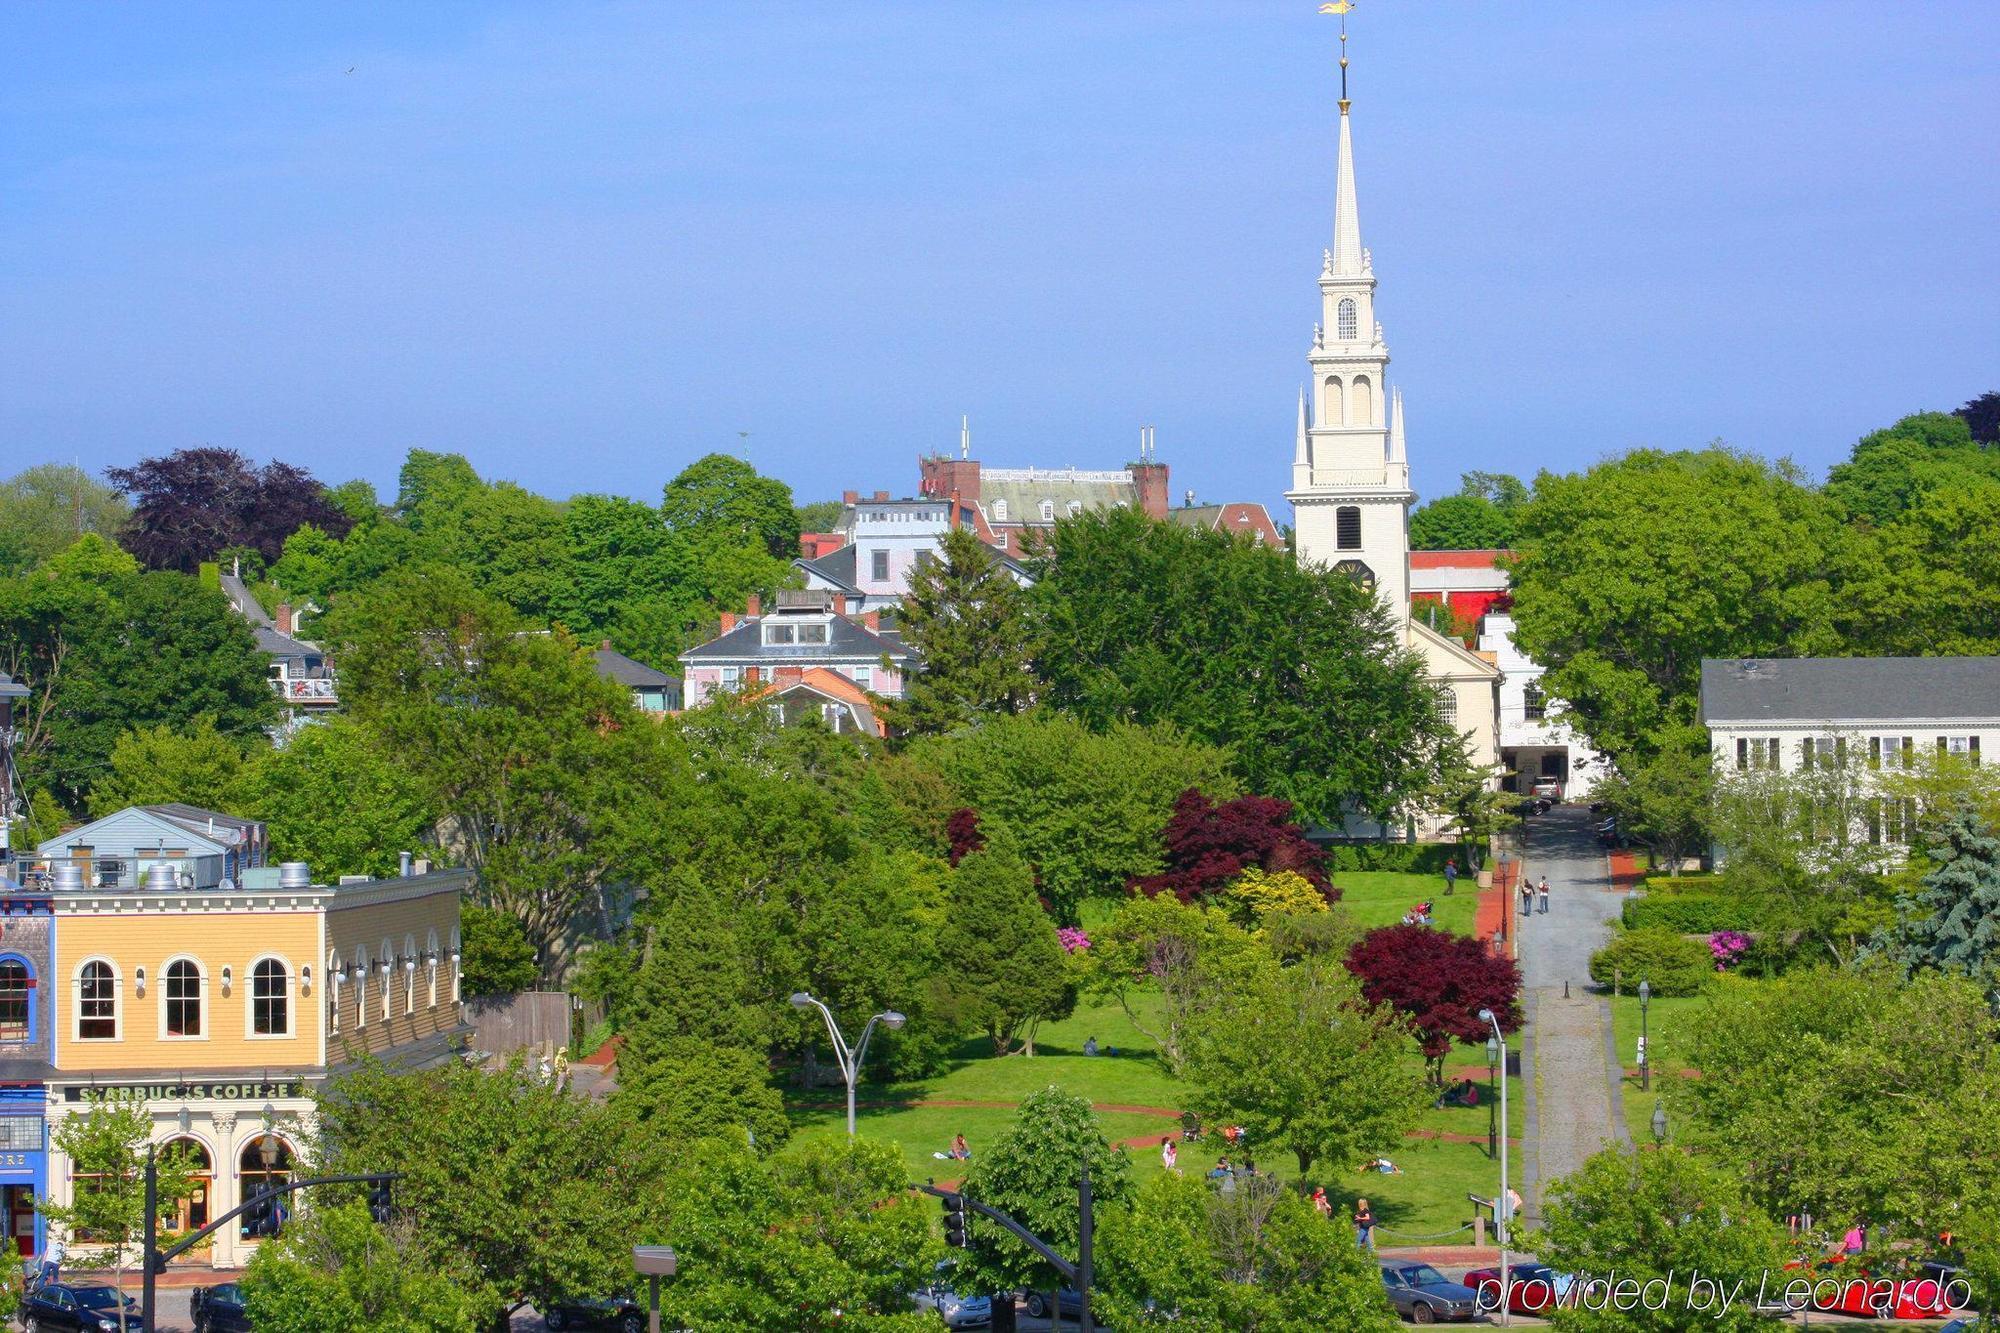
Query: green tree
334	798
1465	794
740	528
819	515
496	958
827	1236
1298	671
1665	796
335	1271
1460	523
627	579
521	1191
1952	922
1628	575
534	762
1031	1173
967	618
45	508
1298	1057
107	1147
1659	1218
1187	954
157	765
1084	809
692	1087
1259	1259
1903	467
1000	948
1847	1094
1932	586
105	651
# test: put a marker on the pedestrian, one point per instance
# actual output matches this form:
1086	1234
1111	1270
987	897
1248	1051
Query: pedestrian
1450	875
1090	1046
1364	1224
1527	894
1168	1154
52	1258
1513	1205
1321	1202
1542	892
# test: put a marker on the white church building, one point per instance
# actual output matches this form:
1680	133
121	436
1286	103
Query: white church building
1350	490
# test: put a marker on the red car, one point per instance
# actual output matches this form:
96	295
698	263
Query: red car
1531	1288
1844	1288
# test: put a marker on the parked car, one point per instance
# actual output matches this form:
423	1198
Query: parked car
1068	1303
1549	790
64	1306
621	1314
1861	1293
1530	1287
219	1309
957	1311
1423	1295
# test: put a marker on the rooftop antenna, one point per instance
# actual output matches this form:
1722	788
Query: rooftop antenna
965	436
744	435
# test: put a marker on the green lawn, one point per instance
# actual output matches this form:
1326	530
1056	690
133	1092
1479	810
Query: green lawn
1428	1197
1666	1020
1380	897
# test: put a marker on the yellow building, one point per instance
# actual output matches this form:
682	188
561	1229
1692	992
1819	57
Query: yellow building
220	1005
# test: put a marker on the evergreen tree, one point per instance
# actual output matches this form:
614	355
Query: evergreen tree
1000	948
967	619
1952	923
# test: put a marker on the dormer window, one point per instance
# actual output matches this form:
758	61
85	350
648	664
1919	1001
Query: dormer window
999	511
1048	511
1075	508
778	633
813	633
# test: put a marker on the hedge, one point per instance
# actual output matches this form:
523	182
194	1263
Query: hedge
1688	913
1671	961
1421	858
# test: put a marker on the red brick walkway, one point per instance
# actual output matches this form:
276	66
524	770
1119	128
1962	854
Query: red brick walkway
1626	874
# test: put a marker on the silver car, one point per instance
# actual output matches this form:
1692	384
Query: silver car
957	1311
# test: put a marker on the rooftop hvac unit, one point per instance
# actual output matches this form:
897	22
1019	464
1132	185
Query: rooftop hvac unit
295	875
68	879
162	877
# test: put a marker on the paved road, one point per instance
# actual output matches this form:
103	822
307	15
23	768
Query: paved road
1570	1113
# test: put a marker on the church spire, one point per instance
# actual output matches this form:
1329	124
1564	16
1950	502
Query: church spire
1347	254
1302	451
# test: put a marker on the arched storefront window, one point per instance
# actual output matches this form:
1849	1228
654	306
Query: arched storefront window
191	1213
254	1175
16	984
183	998
270	998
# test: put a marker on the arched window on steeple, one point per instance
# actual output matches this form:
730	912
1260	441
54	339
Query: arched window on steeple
1364	402
1347	324
1333	408
1347	527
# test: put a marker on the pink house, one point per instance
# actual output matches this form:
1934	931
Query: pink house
807	631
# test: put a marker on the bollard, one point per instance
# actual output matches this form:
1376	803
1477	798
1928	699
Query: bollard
1565	988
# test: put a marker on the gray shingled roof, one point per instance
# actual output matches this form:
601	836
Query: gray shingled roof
614	665
274	644
836	567
846	642
1840	689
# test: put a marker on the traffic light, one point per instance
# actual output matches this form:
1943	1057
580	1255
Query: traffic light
380	1205
956	1233
263	1218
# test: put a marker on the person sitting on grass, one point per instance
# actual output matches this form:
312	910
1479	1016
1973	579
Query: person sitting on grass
959	1151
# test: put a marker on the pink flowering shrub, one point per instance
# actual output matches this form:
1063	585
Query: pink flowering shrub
1727	946
1072	939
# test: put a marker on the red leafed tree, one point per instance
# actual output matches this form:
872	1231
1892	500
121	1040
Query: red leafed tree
961	830
1209	843
1440	982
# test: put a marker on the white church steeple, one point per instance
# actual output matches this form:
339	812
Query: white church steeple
1351	489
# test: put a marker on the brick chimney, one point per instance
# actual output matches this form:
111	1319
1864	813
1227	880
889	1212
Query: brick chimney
754	606
871	620
283	617
840	603
1151	479
604	644
942	476
881	495
751	675
728	621
850	497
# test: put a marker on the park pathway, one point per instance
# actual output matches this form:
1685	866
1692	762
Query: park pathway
1573	1107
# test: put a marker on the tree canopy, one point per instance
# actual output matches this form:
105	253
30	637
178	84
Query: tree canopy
193	504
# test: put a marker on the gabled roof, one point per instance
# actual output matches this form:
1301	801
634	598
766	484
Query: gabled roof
274	644
836	567
831	686
177	822
614	665
846	641
1849	689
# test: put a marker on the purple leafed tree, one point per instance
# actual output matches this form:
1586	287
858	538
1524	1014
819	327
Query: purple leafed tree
192	504
1209	843
1439	982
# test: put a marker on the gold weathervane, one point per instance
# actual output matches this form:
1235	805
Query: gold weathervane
1343	8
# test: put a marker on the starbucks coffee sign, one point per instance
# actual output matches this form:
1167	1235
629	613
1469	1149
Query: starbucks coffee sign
249	1091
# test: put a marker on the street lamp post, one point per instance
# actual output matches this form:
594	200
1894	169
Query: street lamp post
849	1058
1659	1125
1492	1063
654	1262
1502	1211
1645	1047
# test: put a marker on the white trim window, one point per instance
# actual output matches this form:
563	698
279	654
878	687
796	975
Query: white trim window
456	969
183	1000
431	963
94	990
360	986
270	997
336	980
386	965
409	974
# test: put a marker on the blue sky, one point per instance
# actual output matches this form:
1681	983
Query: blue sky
584	244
